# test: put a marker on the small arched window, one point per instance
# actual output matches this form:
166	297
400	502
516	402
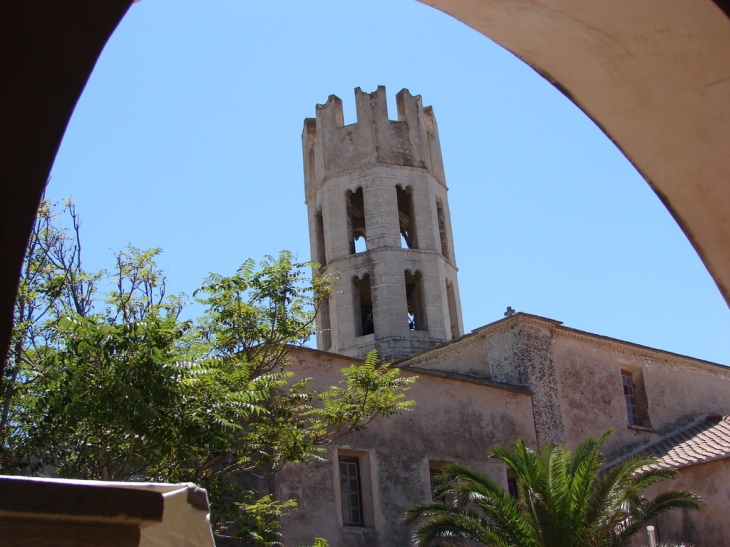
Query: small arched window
406	217
415	301
451	300
319	238
363	305
442	228
356	221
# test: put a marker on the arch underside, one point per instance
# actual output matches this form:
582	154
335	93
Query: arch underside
655	76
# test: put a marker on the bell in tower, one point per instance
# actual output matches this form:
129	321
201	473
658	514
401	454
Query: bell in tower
379	219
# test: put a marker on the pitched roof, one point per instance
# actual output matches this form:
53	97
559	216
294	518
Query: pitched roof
704	441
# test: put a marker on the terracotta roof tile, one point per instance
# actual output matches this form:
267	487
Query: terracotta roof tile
702	442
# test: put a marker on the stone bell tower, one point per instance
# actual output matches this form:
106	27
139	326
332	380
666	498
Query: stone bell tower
379	218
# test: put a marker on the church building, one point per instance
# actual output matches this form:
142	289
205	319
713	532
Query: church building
379	218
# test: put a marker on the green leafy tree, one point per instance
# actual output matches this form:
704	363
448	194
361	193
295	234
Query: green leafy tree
113	385
564	500
52	282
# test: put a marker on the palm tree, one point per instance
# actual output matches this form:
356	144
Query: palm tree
564	500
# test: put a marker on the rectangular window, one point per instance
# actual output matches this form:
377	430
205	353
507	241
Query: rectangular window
433	474
512	488
512	485
434	469
630	397
350	491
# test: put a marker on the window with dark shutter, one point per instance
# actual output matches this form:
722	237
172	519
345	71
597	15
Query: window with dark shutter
512	487
630	397
350	491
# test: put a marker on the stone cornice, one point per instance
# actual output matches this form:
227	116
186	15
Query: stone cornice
293	350
518	318
368	167
435	352
461	377
449	375
383	249
556	328
644	351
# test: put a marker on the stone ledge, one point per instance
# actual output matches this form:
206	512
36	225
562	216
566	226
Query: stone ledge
368	167
640	428
22	496
460	376
363	254
558	329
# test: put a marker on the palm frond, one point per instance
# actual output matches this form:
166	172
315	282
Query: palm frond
565	500
677	498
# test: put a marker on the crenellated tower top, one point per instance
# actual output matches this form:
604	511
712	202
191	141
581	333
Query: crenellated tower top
331	147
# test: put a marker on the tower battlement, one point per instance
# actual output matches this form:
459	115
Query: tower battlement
331	147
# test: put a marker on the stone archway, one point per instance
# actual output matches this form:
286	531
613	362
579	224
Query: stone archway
655	76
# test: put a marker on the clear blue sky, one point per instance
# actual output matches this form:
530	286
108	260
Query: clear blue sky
188	137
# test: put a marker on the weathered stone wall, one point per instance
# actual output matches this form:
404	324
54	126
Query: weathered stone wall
385	261
411	140
677	389
575	380
538	361
505	356
454	420
513	353
465	356
524	376
708	528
